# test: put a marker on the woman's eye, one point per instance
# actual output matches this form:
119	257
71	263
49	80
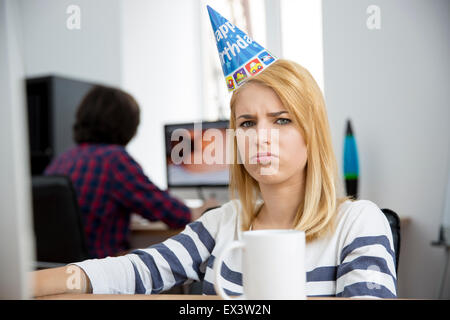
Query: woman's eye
246	124
283	121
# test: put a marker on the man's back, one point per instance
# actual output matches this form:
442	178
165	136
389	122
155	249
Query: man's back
110	186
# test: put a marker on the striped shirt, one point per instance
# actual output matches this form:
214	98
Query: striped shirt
357	260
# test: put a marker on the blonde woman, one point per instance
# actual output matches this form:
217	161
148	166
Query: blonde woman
286	180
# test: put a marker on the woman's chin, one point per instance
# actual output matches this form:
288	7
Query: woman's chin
267	175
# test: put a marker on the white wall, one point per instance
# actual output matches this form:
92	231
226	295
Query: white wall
161	68
91	53
394	84
301	34
150	48
16	250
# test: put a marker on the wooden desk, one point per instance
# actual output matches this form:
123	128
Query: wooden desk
404	221
144	235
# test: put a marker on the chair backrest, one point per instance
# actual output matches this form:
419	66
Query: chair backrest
59	234
394	222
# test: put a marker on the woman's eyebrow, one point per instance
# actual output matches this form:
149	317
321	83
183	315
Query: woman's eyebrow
270	114
276	114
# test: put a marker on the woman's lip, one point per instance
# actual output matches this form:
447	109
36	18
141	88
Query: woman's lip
263	157
263	154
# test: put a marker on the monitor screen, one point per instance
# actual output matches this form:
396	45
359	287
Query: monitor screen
196	154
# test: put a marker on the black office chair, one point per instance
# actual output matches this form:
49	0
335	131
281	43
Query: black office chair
59	233
394	222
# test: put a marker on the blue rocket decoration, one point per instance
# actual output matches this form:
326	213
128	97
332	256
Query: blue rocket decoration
240	56
351	166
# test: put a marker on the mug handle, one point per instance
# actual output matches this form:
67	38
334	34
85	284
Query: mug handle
217	268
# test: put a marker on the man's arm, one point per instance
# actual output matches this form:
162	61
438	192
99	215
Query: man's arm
134	190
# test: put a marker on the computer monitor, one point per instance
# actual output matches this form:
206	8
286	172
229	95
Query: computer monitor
196	154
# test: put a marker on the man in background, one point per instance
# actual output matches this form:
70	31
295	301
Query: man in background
109	183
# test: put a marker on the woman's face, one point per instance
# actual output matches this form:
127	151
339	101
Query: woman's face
270	146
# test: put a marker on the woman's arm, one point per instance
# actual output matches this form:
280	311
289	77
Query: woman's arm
67	279
176	261
367	258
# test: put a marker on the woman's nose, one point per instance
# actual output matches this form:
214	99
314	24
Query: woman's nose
264	132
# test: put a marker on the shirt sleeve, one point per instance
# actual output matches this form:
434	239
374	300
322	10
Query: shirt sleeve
367	257
134	190
178	260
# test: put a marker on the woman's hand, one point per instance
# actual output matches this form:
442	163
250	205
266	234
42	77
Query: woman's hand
67	279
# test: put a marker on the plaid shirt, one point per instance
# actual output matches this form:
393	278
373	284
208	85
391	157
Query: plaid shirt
110	186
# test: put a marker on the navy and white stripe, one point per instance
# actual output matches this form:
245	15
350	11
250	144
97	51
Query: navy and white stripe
356	261
374	259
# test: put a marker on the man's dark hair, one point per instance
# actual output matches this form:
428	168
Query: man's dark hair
106	115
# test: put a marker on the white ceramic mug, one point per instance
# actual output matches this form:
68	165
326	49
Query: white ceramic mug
273	265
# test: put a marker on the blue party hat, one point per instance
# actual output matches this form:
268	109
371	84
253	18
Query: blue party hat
240	56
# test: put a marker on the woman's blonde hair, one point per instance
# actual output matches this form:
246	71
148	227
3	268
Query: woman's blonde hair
302	97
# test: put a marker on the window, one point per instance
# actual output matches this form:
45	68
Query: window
247	15
296	32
